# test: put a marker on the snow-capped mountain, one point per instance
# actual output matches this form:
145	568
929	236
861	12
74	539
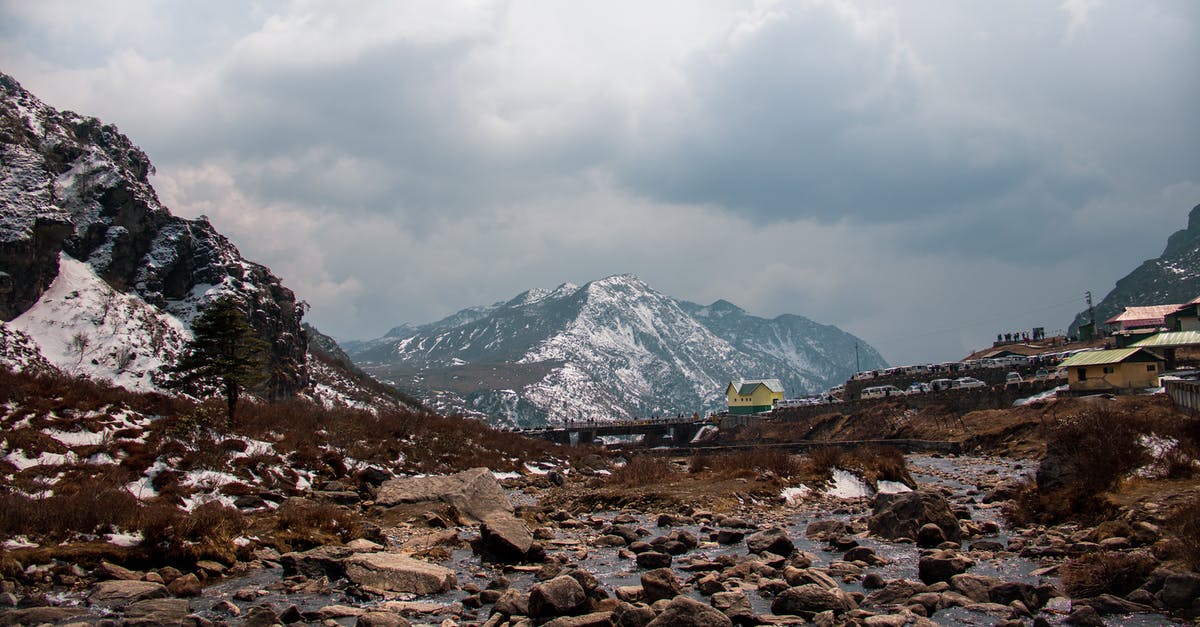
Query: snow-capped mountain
611	349
1172	278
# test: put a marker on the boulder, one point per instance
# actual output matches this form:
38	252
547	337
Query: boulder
512	602
108	570
40	615
632	615
810	599
186	586
930	535
825	530
941	566
660	583
153	612
653	559
123	592
895	592
323	561
686	612
595	619
1180	591
902	515
474	494
975	587
735	605
393	572
381	619
504	538
773	540
560	596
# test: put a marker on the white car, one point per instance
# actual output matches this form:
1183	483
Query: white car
969	382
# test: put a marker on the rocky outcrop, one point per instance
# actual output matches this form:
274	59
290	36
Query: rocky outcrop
72	184
474	494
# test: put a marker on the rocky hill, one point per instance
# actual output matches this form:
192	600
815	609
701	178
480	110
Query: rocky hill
1173	277
74	190
98	279
611	349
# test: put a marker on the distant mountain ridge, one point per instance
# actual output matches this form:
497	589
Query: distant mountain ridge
1172	277
611	349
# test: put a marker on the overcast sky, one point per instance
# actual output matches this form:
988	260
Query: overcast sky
922	174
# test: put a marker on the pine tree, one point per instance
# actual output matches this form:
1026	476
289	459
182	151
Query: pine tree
224	352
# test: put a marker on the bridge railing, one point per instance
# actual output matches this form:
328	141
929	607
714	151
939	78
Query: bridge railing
1185	394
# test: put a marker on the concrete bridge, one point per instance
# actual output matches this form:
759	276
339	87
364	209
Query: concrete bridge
673	431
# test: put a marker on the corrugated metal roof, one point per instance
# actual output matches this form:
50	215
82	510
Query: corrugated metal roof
1173	338
1142	314
1099	358
746	386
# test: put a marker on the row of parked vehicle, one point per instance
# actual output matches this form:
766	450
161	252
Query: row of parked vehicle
920	387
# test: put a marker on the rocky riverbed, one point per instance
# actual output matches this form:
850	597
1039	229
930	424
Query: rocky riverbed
463	550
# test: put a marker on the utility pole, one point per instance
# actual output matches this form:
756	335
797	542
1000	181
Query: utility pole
1091	311
857	367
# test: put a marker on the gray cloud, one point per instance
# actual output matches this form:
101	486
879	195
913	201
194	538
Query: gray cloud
879	168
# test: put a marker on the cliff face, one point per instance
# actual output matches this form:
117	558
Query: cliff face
73	185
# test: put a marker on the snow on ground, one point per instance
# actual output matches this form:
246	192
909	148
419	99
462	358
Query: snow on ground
847	485
844	485
124	539
86	328
1048	394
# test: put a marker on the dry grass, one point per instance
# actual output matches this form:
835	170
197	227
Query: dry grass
300	524
1092	450
746	464
1184	526
644	470
872	463
1107	572
89	506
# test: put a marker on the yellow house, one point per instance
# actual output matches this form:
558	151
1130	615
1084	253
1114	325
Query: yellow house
1112	370
750	396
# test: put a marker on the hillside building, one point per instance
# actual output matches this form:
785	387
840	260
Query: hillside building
1117	370
750	396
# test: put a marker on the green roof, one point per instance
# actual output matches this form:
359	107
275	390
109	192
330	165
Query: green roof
1169	339
1100	358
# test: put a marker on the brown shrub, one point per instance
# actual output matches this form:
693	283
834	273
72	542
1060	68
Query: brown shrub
1184	525
1107	572
90	505
643	470
207	532
872	463
302	524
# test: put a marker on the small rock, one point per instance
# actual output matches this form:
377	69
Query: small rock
653	559
185	586
686	611
557	597
659	584
773	540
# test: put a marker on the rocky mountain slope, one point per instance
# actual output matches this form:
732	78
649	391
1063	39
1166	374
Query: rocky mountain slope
611	349
74	188
98	279
1173	277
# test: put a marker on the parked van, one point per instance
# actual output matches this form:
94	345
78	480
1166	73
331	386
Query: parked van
937	385
880	391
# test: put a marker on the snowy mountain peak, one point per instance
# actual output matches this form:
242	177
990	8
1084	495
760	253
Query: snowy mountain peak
614	348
